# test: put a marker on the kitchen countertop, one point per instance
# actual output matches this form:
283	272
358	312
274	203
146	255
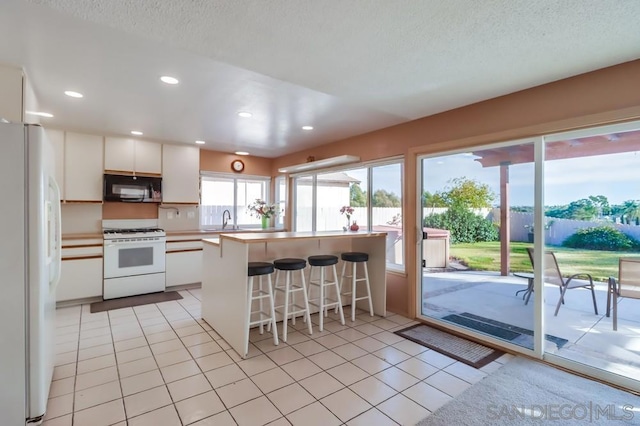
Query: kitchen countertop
99	235
264	237
219	231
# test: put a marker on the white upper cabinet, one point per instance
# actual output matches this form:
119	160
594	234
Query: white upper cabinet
180	174
56	137
83	167
132	155
118	154
148	157
11	89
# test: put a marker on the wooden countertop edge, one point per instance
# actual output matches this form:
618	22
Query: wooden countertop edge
249	238
217	232
82	236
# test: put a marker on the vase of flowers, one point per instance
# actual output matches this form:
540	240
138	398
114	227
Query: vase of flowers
347	211
260	208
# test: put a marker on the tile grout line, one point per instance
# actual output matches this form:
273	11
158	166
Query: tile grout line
190	310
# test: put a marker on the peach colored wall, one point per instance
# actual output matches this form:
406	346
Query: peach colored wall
214	161
603	96
397	296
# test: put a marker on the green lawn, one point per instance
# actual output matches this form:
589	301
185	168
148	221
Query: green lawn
486	257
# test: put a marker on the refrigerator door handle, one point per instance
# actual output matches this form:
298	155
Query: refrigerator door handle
57	237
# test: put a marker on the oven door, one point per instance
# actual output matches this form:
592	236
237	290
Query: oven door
128	257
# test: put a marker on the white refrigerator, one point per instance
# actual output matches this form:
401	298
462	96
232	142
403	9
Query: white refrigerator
30	250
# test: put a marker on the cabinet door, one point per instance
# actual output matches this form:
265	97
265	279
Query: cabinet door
148	157
56	137
79	279
184	267
180	174
11	94
84	165
119	154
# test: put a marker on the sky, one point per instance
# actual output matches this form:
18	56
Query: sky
388	177
616	176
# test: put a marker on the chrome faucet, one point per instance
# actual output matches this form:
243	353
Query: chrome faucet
226	216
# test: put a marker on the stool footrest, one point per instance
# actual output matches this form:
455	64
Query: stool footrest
292	288
325	305
258	322
260	295
300	309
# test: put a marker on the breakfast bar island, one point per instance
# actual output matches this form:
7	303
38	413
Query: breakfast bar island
225	259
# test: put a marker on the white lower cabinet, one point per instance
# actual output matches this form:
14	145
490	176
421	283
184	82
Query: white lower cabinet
184	267
79	279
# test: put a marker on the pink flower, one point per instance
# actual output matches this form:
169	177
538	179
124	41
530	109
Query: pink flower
347	210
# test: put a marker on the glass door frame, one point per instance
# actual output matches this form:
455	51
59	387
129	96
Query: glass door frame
538	346
539	247
554	359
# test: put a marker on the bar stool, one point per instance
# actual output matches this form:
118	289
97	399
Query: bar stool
324	302
355	258
260	269
288	266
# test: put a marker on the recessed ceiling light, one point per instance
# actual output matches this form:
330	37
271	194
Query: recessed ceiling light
169	80
136	132
245	114
200	142
73	94
307	127
41	114
242	153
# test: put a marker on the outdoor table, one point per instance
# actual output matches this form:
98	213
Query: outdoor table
529	289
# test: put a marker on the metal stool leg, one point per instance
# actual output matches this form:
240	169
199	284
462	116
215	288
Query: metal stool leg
366	276
285	318
248	313
306	302
338	296
272	308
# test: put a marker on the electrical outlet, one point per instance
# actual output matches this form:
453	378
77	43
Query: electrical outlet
191	215
169	215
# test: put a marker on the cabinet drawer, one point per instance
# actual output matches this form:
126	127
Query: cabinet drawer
173	246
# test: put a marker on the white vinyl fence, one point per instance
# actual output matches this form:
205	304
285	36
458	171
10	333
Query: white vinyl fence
559	230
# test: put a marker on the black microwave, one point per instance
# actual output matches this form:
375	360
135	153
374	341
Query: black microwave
132	189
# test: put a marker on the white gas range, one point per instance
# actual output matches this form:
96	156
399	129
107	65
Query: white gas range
134	257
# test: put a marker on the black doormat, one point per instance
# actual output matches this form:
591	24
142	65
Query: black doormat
518	335
127	302
463	350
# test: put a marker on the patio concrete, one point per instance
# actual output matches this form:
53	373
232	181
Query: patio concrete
592	340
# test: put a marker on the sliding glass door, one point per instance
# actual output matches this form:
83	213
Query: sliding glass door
592	225
476	215
524	243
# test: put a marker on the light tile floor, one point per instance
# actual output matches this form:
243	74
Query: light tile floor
162	365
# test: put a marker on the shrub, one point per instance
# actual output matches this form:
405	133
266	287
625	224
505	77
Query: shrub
600	238
464	225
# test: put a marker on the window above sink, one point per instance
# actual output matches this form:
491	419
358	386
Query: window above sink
224	192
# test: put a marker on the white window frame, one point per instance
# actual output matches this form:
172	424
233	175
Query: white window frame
369	165
235	178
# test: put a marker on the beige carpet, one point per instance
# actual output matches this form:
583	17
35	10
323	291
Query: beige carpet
526	392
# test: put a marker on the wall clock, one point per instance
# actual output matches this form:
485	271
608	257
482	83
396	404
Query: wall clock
237	166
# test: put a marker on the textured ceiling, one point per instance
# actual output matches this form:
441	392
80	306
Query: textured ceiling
345	67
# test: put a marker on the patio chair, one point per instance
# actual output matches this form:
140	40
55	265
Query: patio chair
552	275
628	285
